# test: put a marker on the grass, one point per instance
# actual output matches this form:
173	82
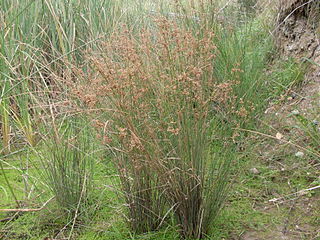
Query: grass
169	149
311	130
68	164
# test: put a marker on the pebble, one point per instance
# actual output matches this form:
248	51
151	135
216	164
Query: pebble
254	171
299	154
295	112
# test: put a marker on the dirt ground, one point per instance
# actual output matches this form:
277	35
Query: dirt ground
297	37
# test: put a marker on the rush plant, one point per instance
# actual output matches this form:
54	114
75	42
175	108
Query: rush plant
160	90
68	165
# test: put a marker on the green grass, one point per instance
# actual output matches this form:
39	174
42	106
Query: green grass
241	213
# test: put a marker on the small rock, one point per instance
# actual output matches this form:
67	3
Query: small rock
294	95
254	171
291	48
295	112
315	122
299	154
279	136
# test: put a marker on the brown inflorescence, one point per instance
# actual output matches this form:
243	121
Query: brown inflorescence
158	86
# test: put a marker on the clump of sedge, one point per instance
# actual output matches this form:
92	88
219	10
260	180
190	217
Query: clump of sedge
157	89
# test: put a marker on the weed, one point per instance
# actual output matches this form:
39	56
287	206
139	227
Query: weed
310	128
68	166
